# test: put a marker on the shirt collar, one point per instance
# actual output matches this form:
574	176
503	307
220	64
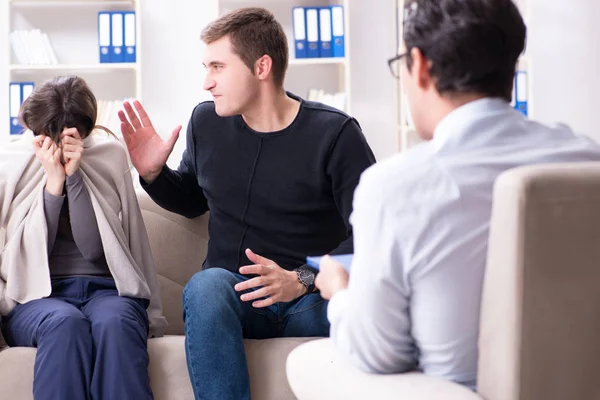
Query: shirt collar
458	121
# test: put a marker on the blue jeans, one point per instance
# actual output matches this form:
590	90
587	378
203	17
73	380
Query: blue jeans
216	321
91	342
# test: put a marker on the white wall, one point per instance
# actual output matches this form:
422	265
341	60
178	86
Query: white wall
373	86
5	53
173	74
564	47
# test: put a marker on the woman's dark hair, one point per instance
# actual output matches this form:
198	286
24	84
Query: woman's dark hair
62	102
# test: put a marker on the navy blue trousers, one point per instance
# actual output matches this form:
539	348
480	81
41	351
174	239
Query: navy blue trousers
91	343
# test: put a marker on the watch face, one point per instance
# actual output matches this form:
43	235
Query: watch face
306	276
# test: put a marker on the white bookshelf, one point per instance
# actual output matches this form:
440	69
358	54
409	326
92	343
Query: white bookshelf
72	27
524	63
70	2
329	74
407	135
73	67
318	61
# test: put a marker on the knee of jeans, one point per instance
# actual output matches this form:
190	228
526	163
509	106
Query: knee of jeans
208	282
67	324
115	323
208	287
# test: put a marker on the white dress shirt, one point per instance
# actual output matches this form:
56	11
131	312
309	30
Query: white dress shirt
421	222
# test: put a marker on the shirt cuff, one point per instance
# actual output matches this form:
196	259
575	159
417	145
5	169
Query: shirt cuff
52	200
158	182
337	306
74	179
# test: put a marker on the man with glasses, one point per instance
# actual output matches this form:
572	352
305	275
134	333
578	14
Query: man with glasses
421	219
394	64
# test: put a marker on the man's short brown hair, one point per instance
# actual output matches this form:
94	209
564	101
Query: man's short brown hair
253	32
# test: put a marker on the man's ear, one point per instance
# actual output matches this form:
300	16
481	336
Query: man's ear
263	67
421	68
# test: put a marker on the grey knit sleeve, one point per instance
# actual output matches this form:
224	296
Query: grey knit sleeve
83	220
52	206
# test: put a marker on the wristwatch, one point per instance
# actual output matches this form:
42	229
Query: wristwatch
306	276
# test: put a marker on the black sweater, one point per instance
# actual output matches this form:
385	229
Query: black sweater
285	195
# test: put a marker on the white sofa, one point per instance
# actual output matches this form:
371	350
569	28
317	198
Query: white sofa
179	246
540	312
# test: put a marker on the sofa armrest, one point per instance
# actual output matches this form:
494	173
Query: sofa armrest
315	371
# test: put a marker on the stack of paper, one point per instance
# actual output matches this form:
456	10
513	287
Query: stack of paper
336	100
32	47
108	117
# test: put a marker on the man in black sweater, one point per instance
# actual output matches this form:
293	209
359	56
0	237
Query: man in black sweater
278	175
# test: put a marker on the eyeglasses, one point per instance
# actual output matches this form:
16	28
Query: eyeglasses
394	64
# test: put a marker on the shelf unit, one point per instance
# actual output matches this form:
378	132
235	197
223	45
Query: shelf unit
317	61
72	27
407	135
330	74
525	63
70	2
72	67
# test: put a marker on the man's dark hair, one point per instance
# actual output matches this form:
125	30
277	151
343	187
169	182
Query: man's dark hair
473	45
253	32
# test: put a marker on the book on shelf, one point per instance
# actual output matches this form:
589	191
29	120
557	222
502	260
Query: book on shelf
107	115
335	100
32	47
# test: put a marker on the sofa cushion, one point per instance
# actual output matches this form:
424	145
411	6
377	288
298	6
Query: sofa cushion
266	364
317	371
179	248
168	370
16	370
